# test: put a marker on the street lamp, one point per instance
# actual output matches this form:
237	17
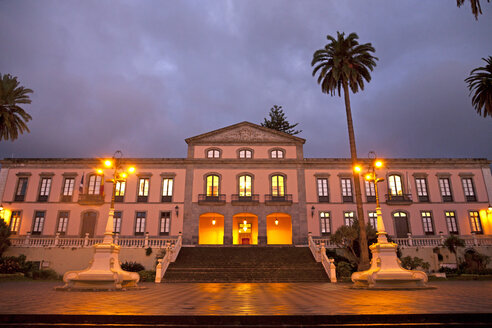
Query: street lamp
371	176
119	175
104	271
386	271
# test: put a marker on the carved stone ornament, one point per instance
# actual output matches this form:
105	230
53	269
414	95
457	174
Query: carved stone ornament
244	134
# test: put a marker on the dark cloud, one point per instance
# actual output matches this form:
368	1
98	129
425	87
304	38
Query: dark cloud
143	76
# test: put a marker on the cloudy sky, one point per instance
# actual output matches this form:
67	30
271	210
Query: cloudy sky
141	76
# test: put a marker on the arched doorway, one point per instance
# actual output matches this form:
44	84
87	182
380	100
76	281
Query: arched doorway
88	223
279	229
245	229
401	224
211	229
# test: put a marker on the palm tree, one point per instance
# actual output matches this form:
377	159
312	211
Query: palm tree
475	6
341	64
480	83
13	118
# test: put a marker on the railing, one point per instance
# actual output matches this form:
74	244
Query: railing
172	252
219	199
398	199
324	240
287	198
236	198
86	199
319	254
60	241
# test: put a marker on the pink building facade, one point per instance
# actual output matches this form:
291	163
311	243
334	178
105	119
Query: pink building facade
243	184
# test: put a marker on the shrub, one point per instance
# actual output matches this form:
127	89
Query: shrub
410	263
148	251
47	274
132	266
147	275
4	237
12	264
344	269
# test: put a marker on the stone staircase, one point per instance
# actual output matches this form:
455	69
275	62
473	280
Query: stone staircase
245	264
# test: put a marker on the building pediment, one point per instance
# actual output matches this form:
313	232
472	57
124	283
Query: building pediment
244	132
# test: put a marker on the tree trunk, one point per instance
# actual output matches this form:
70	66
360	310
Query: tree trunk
364	253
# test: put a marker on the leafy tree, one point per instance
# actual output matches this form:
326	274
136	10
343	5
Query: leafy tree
13	118
475	6
342	64
452	243
279	122
480	84
348	238
4	237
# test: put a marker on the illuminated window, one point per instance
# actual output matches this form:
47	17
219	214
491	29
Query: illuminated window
370	191
119	191
323	196
427	222
373	219
476	224
421	184
395	185
213	153
277	153
94	185
278	187
38	223
140	223
62	225
117	222
143	189
213	185
451	222
245	153
468	189
165	224
68	187
445	188
15	219
20	192
167	189
245	186
44	189
324	218
346	190
349	218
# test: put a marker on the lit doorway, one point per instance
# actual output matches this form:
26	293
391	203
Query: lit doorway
279	229
211	229
245	229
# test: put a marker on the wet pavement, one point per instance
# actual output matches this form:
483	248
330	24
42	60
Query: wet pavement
39	297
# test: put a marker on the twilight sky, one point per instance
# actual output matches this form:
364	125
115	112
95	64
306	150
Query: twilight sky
141	76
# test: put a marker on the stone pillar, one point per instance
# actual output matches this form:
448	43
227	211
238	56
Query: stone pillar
57	236
410	241
227	229
86	239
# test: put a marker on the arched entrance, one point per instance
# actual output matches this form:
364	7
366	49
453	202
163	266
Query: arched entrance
88	223
245	229
211	229
279	229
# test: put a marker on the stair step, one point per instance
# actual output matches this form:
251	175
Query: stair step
245	264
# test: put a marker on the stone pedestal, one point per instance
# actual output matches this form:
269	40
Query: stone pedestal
386	271
104	272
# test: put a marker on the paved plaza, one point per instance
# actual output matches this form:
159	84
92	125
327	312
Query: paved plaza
39	297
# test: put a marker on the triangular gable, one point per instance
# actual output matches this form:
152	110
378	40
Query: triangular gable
244	132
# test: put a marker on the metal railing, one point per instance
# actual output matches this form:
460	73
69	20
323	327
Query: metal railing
399	199
286	198
203	198
236	198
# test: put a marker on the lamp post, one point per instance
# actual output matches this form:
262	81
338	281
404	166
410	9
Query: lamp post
385	271
104	271
371	176
119	175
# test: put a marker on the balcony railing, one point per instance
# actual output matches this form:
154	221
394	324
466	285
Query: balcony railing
323	199
86	199
278	200
79	242
403	199
217	200
19	198
166	199
348	199
471	198
371	199
237	199
424	199
66	199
